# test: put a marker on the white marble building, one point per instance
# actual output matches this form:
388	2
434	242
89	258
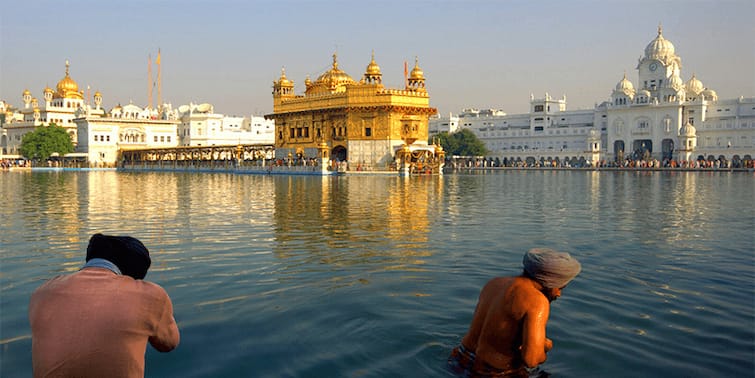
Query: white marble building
127	127
59	106
201	126
662	117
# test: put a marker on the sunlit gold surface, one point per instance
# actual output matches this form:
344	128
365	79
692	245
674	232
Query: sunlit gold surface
337	110
67	87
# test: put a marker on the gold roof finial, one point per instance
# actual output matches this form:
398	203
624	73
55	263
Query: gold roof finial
335	60
67	65
660	29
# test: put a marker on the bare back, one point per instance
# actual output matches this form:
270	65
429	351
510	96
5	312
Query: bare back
508	326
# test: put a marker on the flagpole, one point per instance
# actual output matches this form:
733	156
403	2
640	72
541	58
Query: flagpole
159	81
149	83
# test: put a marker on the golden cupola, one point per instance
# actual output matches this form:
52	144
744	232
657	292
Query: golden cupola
416	80
283	87
372	74
334	79
67	88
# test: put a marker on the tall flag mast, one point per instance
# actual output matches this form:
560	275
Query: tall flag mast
159	81
150	84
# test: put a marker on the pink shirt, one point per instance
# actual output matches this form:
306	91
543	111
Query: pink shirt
94	323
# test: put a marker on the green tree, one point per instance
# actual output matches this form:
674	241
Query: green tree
44	141
461	143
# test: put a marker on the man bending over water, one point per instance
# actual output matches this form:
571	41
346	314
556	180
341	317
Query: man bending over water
507	333
97	322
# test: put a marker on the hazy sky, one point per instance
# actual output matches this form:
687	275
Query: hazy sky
483	54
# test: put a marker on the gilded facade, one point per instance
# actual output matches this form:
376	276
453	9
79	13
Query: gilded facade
361	122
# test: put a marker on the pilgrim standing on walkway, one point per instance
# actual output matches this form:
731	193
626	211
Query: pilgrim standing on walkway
97	322
507	333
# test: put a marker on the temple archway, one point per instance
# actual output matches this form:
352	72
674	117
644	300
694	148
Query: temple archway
339	153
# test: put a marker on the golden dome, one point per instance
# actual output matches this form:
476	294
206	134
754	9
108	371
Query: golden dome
373	69
48	90
416	73
283	81
26	92
334	77
67	88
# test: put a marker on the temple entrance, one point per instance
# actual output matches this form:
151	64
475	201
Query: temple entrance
618	150
642	149
668	149
339	153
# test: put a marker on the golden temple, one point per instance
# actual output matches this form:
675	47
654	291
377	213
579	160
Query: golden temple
360	122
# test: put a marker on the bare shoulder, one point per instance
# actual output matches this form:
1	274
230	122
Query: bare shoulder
527	298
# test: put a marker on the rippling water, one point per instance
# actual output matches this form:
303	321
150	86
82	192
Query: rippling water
373	276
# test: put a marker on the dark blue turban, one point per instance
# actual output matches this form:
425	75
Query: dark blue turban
127	253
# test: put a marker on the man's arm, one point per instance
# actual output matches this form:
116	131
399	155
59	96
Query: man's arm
534	342
166	337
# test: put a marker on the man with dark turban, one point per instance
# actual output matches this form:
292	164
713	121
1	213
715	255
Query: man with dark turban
97	322
507	333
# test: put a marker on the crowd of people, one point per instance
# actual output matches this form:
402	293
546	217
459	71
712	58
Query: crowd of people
6	164
628	163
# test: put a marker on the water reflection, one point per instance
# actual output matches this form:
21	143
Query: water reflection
383	222
261	268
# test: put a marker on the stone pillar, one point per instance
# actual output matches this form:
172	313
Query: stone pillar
323	157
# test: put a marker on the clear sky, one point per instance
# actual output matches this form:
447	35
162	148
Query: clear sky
482	54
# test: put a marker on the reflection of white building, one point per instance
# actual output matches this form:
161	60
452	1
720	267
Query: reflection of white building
662	117
201	126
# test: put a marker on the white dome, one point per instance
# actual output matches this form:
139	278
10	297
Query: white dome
659	48
710	95
675	82
687	130
625	86
694	86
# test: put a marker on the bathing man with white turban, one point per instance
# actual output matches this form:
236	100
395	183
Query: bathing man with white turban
507	333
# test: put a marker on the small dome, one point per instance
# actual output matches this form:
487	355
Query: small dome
283	81
675	82
710	94
373	69
660	47
694	86
643	92
307	82
416	73
625	85
48	90
687	130
97	94
334	77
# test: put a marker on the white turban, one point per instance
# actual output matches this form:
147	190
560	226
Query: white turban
551	268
